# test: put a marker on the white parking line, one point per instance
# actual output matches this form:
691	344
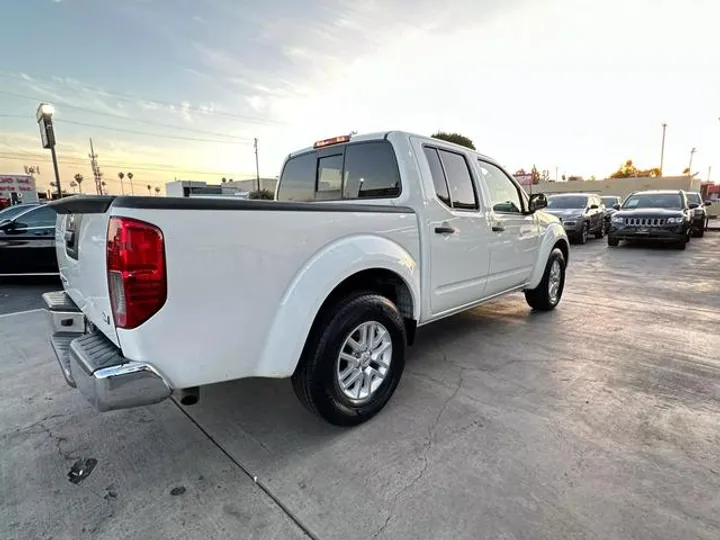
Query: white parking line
4	315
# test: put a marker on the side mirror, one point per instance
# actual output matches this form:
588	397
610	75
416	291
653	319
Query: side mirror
616	206
538	201
7	225
708	203
693	206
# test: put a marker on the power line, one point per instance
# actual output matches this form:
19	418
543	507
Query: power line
114	115
133	99
107	165
136	132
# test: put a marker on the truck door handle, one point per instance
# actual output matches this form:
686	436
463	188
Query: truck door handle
498	228
444	229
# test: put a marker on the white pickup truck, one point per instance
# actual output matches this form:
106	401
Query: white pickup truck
369	238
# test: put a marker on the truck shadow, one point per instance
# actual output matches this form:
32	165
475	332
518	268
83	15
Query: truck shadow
261	419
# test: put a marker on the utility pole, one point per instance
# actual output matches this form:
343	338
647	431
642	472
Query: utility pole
97	175
662	149
257	165
709	171
692	153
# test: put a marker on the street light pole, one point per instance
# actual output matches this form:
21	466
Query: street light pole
44	115
662	149
257	165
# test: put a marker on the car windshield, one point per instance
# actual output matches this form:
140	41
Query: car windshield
654	200
609	201
565	202
13	211
694	198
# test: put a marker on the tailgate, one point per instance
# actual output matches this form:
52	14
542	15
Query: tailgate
80	241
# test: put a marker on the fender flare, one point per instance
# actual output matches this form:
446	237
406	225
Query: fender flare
312	285
553	235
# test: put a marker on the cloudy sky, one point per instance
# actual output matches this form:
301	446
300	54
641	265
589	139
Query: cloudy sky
179	88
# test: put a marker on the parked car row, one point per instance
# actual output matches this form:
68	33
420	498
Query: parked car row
671	216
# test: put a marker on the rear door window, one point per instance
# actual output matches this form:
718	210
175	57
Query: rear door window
38	218
459	180
362	170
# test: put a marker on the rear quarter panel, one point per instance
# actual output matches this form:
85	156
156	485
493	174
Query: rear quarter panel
85	278
244	286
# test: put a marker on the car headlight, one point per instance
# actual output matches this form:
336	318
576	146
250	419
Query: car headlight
617	219
674	220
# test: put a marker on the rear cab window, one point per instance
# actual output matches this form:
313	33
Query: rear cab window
350	171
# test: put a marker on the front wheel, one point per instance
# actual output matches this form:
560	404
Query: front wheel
353	360
546	296
613	242
584	234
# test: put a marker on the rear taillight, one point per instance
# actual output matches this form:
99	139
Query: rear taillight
136	271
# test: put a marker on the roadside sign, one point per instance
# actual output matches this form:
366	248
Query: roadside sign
20	187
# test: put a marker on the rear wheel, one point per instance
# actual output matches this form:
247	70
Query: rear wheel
353	360
546	296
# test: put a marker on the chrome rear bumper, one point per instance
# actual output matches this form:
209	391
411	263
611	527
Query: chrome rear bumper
94	365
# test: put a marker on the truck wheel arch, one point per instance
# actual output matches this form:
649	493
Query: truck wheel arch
359	263
554	238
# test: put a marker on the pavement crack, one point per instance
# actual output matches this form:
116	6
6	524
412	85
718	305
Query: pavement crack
429	442
259	483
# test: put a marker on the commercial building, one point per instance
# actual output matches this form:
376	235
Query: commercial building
17	188
234	188
621	187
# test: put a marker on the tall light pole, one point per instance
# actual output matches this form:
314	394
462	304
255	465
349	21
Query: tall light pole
692	153
257	166
44	116
662	149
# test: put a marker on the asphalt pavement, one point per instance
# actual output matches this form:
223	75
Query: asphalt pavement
600	420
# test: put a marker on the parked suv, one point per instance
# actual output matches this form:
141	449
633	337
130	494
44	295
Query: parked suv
581	214
612	203
699	214
662	216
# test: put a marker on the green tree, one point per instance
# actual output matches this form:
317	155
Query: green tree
456	138
262	194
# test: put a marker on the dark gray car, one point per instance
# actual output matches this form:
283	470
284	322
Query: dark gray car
699	213
582	214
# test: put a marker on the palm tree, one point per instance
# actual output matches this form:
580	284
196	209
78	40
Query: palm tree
73	185
103	187
157	190
79	179
130	177
121	175
149	189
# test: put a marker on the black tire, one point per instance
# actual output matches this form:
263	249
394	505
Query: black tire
600	233
582	238
314	380
700	232
681	245
612	241
539	298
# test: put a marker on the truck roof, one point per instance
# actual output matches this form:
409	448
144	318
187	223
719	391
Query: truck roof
378	135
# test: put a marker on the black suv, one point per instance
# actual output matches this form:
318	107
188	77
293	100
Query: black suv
612	204
663	216
581	214
699	214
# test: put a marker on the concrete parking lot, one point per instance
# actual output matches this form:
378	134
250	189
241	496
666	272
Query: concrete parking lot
600	420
